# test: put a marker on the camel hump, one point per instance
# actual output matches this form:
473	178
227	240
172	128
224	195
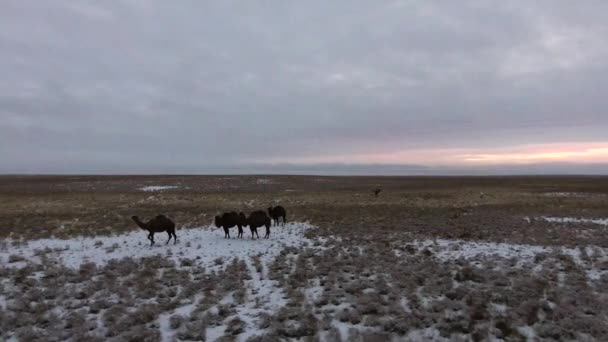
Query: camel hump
279	210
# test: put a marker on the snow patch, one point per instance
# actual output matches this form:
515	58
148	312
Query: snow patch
551	219
447	250
203	245
565	194
164	323
157	187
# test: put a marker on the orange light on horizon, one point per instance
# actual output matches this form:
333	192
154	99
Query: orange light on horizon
594	154
523	154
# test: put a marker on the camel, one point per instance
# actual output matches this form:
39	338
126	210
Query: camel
160	223
276	213
229	220
243	219
377	192
258	219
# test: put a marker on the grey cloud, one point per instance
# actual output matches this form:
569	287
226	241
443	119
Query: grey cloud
121	85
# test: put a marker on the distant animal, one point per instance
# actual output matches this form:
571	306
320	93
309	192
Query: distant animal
257	219
276	213
229	220
160	223
377	192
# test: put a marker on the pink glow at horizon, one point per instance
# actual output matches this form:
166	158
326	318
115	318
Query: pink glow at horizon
525	154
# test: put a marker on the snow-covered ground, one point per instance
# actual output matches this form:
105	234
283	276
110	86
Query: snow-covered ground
601	221
204	245
150	188
207	247
565	194
449	250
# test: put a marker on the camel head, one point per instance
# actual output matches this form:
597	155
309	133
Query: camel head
242	218
217	221
139	223
269	210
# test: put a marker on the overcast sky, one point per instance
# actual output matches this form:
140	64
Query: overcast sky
212	86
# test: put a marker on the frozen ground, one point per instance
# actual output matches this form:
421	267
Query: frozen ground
290	287
518	255
198	250
205	245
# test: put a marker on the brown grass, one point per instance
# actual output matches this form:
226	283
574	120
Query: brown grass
361	279
439	207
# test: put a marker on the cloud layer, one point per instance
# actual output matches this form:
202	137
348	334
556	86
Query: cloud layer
161	87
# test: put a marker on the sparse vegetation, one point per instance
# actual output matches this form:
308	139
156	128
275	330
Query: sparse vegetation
376	267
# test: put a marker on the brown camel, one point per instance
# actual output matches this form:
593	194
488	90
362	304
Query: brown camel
276	213
229	220
258	219
377	192
160	223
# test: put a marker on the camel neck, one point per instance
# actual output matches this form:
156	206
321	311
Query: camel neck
140	223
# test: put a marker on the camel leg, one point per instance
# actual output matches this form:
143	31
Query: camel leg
240	235
151	237
169	233
174	238
267	232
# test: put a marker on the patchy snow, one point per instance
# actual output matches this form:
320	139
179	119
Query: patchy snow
2	302
528	332
263	181
499	309
263	296
167	334
214	333
565	194
158	187
405	304
203	245
446	250
523	255
602	221
427	334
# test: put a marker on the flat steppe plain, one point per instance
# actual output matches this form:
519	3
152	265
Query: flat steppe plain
430	258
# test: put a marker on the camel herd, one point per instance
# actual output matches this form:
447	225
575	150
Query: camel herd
255	220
